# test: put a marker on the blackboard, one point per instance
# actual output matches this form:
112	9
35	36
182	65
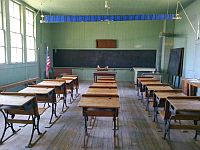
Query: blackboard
111	58
175	66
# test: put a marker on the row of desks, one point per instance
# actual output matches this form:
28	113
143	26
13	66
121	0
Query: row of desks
101	100
25	102
172	104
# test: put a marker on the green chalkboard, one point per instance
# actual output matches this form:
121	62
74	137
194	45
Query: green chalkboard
111	58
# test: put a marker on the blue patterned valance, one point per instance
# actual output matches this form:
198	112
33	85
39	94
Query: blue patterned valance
98	18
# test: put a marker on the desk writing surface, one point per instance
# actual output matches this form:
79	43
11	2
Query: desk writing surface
64	80
147	79
150	82
68	81
185	105
51	83
99	102
68	75
106	81
164	95
36	90
104	85
106	78
69	78
153	88
14	100
102	90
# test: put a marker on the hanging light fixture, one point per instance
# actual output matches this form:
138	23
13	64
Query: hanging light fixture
178	17
41	15
107	7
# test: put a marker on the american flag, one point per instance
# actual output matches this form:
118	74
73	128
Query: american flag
48	63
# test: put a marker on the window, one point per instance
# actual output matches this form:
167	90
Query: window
2	38
30	39
15	32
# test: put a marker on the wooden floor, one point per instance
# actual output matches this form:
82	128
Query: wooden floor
136	130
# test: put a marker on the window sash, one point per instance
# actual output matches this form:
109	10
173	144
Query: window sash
31	51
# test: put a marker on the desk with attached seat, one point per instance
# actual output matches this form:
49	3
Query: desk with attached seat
160	99
182	108
75	80
150	92
19	104
99	107
43	95
60	88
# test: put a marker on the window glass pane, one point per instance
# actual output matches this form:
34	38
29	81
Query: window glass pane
2	55
14	25
1	38
31	55
29	17
0	21
11	8
16	11
30	42
1	16
16	55
16	40
29	30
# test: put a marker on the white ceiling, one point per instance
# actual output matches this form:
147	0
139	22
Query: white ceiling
97	7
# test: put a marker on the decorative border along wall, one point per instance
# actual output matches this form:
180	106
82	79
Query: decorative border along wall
98	18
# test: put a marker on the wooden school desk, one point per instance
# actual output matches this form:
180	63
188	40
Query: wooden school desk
185	83
150	90
43	95
69	85
146	79
182	108
160	99
103	73
99	107
193	86
144	83
60	88
12	104
75	80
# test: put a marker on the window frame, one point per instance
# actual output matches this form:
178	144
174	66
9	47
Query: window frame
3	31
16	33
29	36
